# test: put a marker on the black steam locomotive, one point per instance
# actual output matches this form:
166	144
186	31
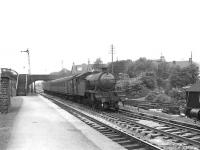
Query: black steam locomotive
96	89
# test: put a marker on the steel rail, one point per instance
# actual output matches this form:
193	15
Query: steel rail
126	137
160	120
131	122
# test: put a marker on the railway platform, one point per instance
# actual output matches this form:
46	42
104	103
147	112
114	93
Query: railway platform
40	124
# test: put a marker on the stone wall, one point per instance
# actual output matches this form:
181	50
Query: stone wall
4	94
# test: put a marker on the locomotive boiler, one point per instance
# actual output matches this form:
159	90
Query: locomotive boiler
102	81
96	89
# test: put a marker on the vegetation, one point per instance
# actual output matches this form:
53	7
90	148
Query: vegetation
139	66
137	90
146	75
162	98
151	96
185	76
62	73
98	63
149	78
120	67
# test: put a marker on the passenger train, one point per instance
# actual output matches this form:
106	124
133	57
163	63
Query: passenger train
96	89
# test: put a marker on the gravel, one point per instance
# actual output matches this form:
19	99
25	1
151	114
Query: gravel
164	115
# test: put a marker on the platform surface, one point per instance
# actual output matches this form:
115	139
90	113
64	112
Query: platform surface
41	125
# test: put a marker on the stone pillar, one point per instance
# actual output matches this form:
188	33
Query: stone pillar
4	94
34	87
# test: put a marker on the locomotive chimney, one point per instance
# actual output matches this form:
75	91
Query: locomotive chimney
104	69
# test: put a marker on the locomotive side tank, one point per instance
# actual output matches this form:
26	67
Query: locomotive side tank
103	81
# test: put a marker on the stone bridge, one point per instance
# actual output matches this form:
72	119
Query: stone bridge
21	82
12	83
26	82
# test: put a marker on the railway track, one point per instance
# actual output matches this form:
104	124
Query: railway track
162	129
126	140
157	119
125	126
169	107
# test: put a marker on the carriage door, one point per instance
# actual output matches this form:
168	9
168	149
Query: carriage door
74	86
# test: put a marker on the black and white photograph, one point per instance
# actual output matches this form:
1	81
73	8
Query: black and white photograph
99	75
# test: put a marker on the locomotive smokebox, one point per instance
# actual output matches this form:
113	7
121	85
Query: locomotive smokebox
104	81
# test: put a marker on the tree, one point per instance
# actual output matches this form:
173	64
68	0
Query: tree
185	76
62	73
149	80
141	65
163	70
119	66
161	82
192	73
98	63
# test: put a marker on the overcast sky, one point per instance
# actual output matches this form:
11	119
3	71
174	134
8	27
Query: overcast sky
75	30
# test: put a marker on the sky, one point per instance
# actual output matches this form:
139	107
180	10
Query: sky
68	31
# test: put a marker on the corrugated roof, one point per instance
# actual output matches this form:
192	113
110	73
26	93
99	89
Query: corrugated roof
194	88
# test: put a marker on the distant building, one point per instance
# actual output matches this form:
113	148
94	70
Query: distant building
181	64
156	62
77	69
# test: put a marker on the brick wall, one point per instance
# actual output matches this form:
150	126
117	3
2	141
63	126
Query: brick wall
4	94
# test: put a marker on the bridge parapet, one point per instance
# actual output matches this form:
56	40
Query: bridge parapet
9	73
44	77
25	80
11	82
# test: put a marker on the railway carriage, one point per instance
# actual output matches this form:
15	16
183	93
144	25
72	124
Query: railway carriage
91	88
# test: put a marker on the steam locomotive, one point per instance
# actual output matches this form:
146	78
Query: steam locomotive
96	89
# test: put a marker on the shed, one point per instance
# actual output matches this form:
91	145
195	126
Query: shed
193	96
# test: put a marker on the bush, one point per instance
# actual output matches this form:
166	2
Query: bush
162	98
138	90
149	80
176	94
151	96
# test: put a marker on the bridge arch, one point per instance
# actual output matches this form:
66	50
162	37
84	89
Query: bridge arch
24	80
